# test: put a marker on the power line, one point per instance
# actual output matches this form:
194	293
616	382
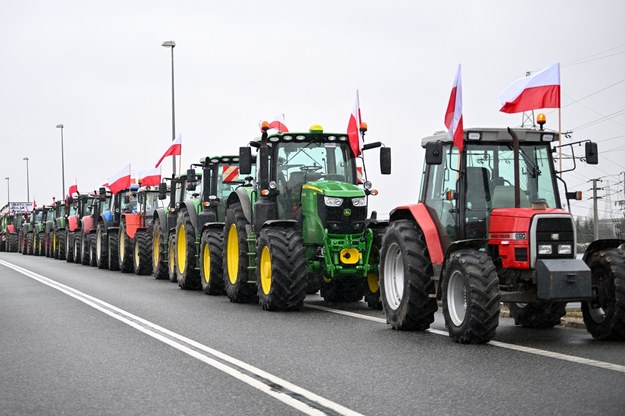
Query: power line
588	58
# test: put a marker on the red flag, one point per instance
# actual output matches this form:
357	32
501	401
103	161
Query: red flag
353	128
174	150
540	90
278	124
453	115
72	190
120	180
150	177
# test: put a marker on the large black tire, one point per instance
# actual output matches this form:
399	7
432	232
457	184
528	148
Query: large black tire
171	258
77	244
406	278
12	243
62	238
280	269
471	297
372	287
142	258
537	315
186	253
604	315
30	243
343	289
239	287
41	244
159	251
211	262
125	249
93	259
85	246
113	242
101	247
69	247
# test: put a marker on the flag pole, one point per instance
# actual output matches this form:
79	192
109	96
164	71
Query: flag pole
560	135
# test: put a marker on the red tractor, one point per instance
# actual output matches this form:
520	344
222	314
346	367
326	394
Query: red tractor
489	228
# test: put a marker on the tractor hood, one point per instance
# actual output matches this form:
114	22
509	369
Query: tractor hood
334	188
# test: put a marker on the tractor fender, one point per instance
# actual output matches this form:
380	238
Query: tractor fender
106	222
419	214
86	223
239	195
213	226
289	223
72	222
190	207
601	245
49	227
162	218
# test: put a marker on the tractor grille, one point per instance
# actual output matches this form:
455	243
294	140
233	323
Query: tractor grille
555	232
336	219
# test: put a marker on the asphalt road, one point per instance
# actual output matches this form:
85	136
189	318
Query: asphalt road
78	340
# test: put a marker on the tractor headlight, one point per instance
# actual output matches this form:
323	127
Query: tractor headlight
359	202
332	201
565	249
544	249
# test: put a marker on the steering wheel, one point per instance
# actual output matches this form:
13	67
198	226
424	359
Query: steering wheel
310	168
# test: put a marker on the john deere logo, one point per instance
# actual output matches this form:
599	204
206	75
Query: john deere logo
347	212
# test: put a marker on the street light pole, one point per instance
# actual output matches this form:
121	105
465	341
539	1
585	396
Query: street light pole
171	44
60	126
8	191
27	181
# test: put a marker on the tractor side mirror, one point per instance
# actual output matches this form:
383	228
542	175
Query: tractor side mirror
245	160
592	155
191	177
385	160
102	194
162	191
434	153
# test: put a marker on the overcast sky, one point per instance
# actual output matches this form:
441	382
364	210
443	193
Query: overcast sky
99	69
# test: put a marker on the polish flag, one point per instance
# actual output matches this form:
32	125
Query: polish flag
353	129
72	190
120	180
150	177
174	150
278	124
540	90
453	115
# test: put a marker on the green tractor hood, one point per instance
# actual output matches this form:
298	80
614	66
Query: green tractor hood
334	188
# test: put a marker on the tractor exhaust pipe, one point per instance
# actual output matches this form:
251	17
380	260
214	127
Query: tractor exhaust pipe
517	184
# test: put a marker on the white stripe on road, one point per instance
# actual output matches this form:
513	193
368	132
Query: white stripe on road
529	350
297	397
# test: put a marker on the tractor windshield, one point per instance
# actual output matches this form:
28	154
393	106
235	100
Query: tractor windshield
149	202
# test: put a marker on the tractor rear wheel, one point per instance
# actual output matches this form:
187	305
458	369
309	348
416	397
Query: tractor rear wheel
76	248
93	259
30	244
101	247
171	258
471	297
281	269
12	243
84	249
125	249
186	253
113	243
61	243
537	315
41	246
159	252
604	314
211	261
142	260
239	288
69	247
405	278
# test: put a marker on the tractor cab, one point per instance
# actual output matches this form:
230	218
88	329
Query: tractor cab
220	177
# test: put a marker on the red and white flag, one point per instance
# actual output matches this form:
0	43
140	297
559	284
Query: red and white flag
539	90
278	124
353	129
72	190
150	177
174	150
120	180
453	115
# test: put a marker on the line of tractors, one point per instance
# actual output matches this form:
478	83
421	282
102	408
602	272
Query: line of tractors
288	216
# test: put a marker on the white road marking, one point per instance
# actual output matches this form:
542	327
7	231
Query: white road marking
520	348
309	403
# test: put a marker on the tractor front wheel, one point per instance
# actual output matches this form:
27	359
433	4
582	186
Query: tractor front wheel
405	278
171	258
239	288
537	315
186	256
62	236
113	249
101	247
604	314
69	247
159	251
84	249
471	297
281	269
124	247
142	260
211	261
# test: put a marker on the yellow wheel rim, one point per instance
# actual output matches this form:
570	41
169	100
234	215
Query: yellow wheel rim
122	245
181	249
156	252
172	258
206	262
265	270
372	282
233	253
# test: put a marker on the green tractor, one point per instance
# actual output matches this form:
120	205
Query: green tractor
9	225
55	226
200	224
302	226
